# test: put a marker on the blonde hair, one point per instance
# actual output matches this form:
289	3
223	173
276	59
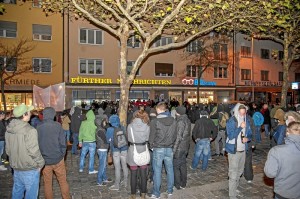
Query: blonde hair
161	106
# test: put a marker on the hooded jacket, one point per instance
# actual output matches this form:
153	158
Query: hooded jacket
87	131
114	120
101	140
182	143
76	120
101	115
283	164
140	131
281	127
52	140
204	128
233	130
162	131
65	122
2	130
22	146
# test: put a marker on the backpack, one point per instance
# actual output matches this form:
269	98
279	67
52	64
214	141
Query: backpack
120	139
223	120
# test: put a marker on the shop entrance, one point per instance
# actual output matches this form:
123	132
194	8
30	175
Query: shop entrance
205	97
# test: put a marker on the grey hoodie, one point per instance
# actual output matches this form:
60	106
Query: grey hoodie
283	165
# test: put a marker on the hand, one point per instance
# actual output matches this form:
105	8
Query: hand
243	125
80	145
210	139
245	140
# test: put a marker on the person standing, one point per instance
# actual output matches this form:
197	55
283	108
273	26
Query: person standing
181	147
2	139
24	154
283	164
87	140
238	134
65	122
204	131
267	119
162	138
258	120
76	120
138	135
52	143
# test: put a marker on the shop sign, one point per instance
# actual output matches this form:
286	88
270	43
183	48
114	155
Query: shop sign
195	82
24	82
87	80
262	83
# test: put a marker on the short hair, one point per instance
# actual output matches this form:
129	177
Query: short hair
142	115
161	106
294	128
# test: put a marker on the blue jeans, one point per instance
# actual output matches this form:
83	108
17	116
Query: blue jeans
28	182
1	150
102	166
91	148
257	134
201	147
67	134
75	143
161	155
267	133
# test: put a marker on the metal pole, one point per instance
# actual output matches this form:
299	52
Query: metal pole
199	77
252	71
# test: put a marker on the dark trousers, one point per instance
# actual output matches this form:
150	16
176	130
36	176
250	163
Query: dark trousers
180	172
134	180
248	171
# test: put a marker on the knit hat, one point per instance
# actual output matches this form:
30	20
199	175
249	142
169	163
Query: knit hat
242	106
181	110
153	112
21	109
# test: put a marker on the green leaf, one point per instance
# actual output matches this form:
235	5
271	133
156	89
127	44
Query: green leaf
211	6
169	9
218	1
188	19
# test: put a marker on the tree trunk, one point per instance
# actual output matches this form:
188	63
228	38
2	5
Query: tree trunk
3	95
124	101
286	66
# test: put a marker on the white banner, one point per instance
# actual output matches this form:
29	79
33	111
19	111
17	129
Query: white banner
53	96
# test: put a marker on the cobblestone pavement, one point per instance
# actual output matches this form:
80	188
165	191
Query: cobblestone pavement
212	183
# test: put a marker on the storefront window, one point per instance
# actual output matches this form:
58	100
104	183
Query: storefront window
90	95
205	97
14	99
134	95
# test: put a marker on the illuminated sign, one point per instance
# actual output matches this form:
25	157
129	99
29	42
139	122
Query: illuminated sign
195	82
295	85
86	80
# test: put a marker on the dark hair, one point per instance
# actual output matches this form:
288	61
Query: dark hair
142	115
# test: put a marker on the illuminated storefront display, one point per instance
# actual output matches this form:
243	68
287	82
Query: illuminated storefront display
195	82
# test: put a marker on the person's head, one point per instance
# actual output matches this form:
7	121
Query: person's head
254	106
161	107
180	110
291	116
242	110
265	106
2	115
143	115
293	128
22	112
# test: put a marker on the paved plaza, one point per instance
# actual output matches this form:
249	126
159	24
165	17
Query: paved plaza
210	184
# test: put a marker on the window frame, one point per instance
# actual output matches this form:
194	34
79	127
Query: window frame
222	72
158	42
94	37
4	31
40	36
187	72
166	74
194	46
132	38
263	74
280	55
244	52
280	76
40	61
87	64
218	53
37	3
246	74
4	63
263	53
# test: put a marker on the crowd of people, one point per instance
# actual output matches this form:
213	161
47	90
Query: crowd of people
155	134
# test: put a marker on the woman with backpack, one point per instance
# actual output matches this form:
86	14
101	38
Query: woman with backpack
138	134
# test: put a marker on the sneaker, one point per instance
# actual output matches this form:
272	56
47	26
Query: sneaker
249	181
124	183
3	168
169	194
93	172
80	170
182	187
192	168
108	180
114	188
154	196
101	184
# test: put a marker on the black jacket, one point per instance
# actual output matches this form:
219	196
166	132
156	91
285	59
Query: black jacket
76	120
204	128
182	143
2	130
51	137
162	131
101	134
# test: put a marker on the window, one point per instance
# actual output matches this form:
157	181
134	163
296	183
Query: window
280	76
130	66
245	51
265	53
134	42
220	72
90	36
9	64
91	66
191	71
8	29
280	55
163	69
163	41
42	32
194	46
245	74
297	77
37	3
42	65
220	52
91	94
134	95
8	1
264	75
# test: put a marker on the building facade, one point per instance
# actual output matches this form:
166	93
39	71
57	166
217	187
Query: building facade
27	21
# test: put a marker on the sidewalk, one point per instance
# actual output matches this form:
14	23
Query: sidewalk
210	184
